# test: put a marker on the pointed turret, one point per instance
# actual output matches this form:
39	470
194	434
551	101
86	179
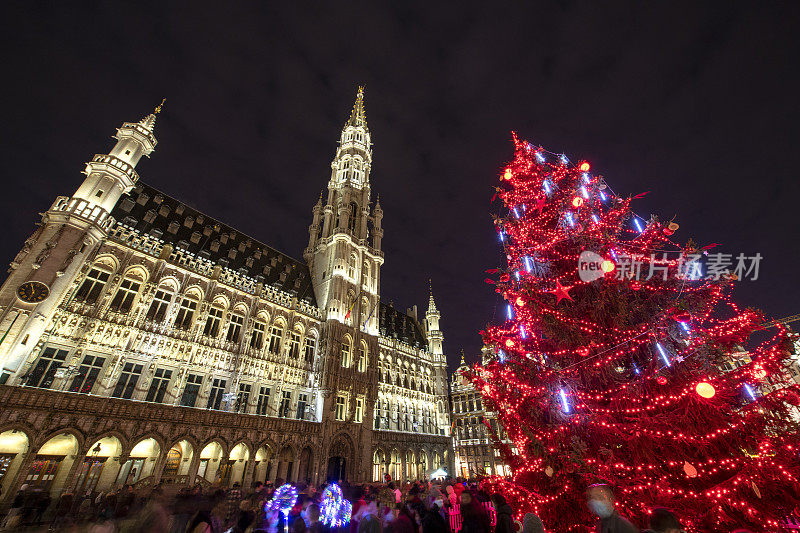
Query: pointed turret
431	303
432	316
149	122
358	117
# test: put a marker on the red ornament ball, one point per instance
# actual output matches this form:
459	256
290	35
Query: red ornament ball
661	380
792	398
577	201
585	166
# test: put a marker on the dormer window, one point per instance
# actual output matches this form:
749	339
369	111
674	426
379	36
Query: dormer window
99	193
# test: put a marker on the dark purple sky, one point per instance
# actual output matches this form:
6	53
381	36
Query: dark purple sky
696	103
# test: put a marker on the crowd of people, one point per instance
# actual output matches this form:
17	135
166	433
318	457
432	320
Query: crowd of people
420	507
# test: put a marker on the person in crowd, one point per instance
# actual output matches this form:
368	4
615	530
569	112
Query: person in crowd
126	499
182	508
505	518
600	500
246	516
210	518
664	521
368	518
452	497
359	501
39	504
404	521
531	523
233	497
313	524
473	516
153	517
433	521
14	516
62	516
458	488
396	491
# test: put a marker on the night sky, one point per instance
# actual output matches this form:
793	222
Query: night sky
695	103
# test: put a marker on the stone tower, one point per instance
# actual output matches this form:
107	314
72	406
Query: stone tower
45	269
345	271
439	361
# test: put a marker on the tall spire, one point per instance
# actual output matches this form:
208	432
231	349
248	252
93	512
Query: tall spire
357	116
149	121
431	303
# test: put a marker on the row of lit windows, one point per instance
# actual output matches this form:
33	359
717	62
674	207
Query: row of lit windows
95	281
346	353
467	404
342	410
405	418
50	365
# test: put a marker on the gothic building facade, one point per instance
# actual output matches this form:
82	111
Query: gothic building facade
475	451
143	341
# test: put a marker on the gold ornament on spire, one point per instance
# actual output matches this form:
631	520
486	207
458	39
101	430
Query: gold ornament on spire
159	106
358	116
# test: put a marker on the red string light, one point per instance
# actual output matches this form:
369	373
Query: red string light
647	395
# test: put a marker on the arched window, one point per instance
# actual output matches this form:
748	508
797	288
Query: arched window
309	347
185	313
347	352
378	461
159	305
362	357
123	300
353	217
275	334
235	327
351	266
365	274
213	321
92	286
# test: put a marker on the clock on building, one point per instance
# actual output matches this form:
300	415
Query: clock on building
33	292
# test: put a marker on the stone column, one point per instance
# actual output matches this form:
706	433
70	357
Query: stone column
77	462
158	469
247	479
123	458
194	466
22	473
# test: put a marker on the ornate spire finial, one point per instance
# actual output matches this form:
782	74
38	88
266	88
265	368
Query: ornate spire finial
357	116
159	106
431	303
462	363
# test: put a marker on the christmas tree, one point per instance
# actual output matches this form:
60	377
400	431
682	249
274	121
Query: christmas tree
623	360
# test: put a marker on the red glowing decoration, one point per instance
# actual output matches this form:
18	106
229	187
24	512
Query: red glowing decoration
577	201
635	413
561	292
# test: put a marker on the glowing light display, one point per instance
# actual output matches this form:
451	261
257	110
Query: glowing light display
621	380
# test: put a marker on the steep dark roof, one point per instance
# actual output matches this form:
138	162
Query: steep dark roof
150	211
398	325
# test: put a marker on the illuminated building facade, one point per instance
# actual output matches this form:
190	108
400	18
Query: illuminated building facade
144	341
475	453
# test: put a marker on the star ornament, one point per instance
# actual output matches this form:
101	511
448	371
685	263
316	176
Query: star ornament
562	292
